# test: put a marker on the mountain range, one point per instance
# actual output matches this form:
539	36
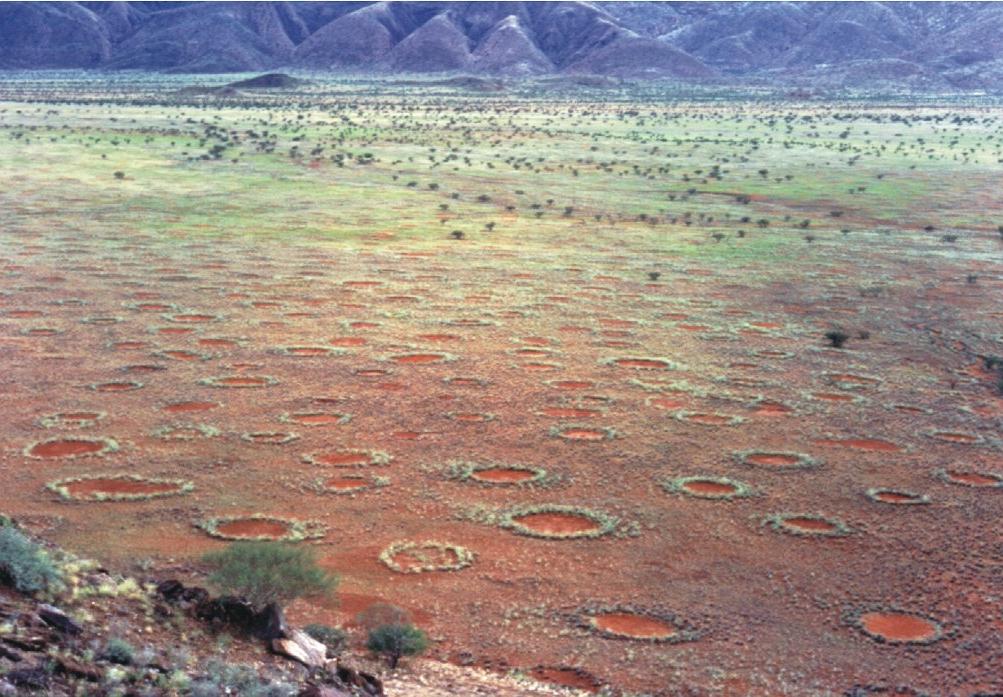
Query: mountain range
912	44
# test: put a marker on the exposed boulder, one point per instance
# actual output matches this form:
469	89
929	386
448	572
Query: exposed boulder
58	620
301	647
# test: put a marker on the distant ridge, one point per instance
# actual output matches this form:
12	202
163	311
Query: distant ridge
913	44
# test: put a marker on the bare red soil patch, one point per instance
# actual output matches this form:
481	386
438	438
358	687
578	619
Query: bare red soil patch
557	523
253	528
419	358
71	447
634	626
898	627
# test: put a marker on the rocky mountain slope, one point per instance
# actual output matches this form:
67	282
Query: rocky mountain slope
936	44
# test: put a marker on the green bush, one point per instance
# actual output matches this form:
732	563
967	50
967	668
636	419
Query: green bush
119	651
265	572
25	565
396	640
334	638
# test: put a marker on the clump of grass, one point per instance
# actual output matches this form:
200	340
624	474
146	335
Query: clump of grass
119	651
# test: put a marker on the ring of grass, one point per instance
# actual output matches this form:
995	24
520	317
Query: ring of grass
777	520
57	421
913	500
869	381
607	432
59	487
585	618
678	486
802	460
938	435
108	445
215	381
606	523
444	357
463	471
464	557
325	351
943	474
368	484
299	530
853	618
376	458
464	381
613	362
254	436
732	419
41	331
196	355
290	418
133	385
468	322
455	416
173	317
169	431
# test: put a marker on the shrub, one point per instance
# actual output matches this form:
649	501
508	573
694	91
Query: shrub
396	640
837	338
264	572
334	638
24	565
238	679
118	651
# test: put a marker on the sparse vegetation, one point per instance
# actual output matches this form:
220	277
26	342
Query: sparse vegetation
268	572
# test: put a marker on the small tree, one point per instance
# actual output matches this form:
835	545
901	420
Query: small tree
836	338
264	572
396	640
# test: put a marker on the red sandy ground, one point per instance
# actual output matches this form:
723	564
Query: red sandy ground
770	608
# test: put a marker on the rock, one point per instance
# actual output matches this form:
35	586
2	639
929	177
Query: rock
271	623
9	654
171	589
227	610
302	647
369	684
322	691
27	643
77	669
36	678
57	619
195	595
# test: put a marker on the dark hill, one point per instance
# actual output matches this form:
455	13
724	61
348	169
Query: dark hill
936	43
